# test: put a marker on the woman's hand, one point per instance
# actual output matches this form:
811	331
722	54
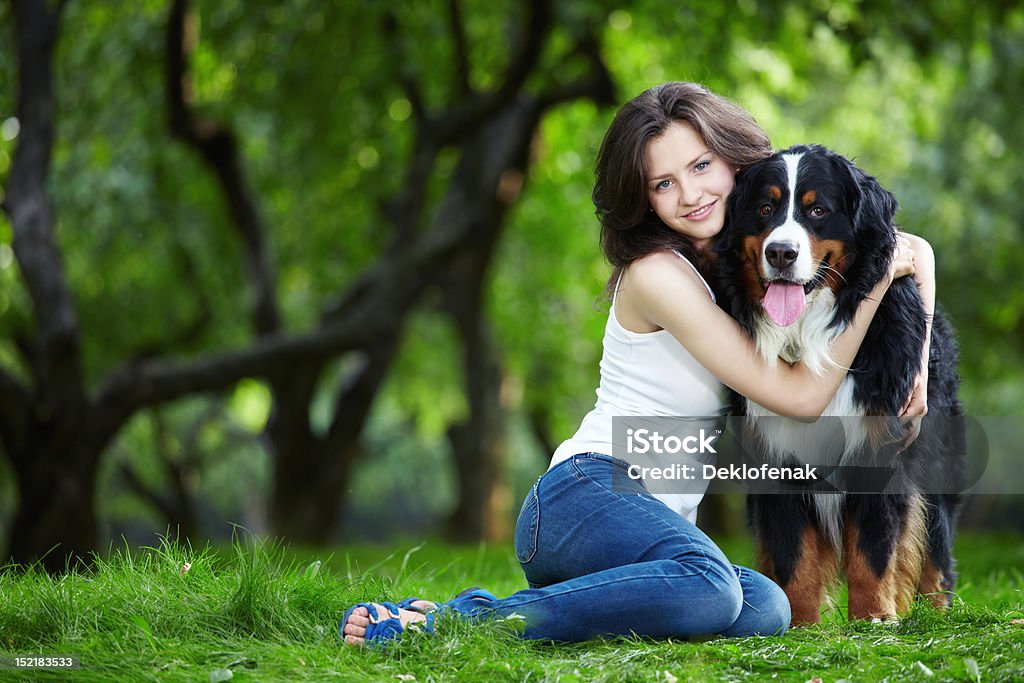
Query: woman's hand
902	258
915	408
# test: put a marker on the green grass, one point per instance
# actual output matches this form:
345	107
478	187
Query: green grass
262	612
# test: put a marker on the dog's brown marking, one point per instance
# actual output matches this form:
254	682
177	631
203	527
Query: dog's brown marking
911	551
870	596
833	254
931	586
883	433
775	192
810	197
751	270
815	571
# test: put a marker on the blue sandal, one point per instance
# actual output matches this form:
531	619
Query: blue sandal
380	631
461	602
407	604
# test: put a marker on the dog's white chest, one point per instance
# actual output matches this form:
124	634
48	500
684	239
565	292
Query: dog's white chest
825	442
807	340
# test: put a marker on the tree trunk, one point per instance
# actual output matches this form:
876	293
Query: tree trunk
311	472
56	484
488	179
478	447
54	462
304	507
54	431
488	183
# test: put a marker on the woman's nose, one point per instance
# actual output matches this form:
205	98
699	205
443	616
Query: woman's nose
689	194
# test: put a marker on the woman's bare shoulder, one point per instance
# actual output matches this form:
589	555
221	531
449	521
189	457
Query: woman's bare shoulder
663	272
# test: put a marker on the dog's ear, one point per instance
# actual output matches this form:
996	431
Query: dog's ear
876	207
871	213
872	207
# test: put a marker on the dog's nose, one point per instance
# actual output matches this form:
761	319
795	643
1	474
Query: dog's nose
781	254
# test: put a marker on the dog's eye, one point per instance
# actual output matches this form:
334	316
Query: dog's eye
817	211
764	210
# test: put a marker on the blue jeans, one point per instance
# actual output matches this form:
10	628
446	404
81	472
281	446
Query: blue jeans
604	561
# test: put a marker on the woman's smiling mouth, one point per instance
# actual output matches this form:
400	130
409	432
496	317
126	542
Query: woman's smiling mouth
700	213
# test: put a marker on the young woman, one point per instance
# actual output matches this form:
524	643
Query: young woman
604	559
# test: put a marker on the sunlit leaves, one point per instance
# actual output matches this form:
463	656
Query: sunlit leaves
927	101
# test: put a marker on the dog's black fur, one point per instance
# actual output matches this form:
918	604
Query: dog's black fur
855	238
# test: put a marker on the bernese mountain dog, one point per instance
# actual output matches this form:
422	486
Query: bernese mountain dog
807	236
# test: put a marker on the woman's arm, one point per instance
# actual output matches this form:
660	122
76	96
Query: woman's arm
668	294
916	406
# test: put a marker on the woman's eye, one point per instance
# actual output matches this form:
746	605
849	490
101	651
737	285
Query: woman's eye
663	185
817	211
764	210
702	165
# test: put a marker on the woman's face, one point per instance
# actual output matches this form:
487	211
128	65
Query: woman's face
687	184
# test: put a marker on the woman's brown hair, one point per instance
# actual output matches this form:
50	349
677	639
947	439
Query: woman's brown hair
629	229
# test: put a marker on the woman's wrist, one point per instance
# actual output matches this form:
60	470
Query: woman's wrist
882	286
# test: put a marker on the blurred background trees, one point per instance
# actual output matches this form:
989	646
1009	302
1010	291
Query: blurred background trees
330	270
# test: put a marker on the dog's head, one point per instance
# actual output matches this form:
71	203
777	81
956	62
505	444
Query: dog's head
804	221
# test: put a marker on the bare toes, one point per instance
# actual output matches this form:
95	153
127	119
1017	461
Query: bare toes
354	630
359	617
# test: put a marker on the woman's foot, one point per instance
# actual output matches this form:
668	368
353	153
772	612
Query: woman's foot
354	629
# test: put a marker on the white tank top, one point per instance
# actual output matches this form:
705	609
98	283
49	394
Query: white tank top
646	374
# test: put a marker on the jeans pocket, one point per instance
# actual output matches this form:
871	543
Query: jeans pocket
527	526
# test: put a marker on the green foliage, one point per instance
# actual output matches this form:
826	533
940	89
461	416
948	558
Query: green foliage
930	115
225	469
263	612
924	97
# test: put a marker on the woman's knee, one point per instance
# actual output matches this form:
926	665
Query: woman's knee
777	610
725	597
765	611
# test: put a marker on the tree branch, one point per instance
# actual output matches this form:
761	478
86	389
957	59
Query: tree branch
462	119
373	308
217	146
597	84
145	383
527	49
403	211
436	130
458	31
396	43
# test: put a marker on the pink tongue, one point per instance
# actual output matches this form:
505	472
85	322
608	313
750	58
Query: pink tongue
784	302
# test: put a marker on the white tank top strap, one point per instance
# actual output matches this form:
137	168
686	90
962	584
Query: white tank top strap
687	262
